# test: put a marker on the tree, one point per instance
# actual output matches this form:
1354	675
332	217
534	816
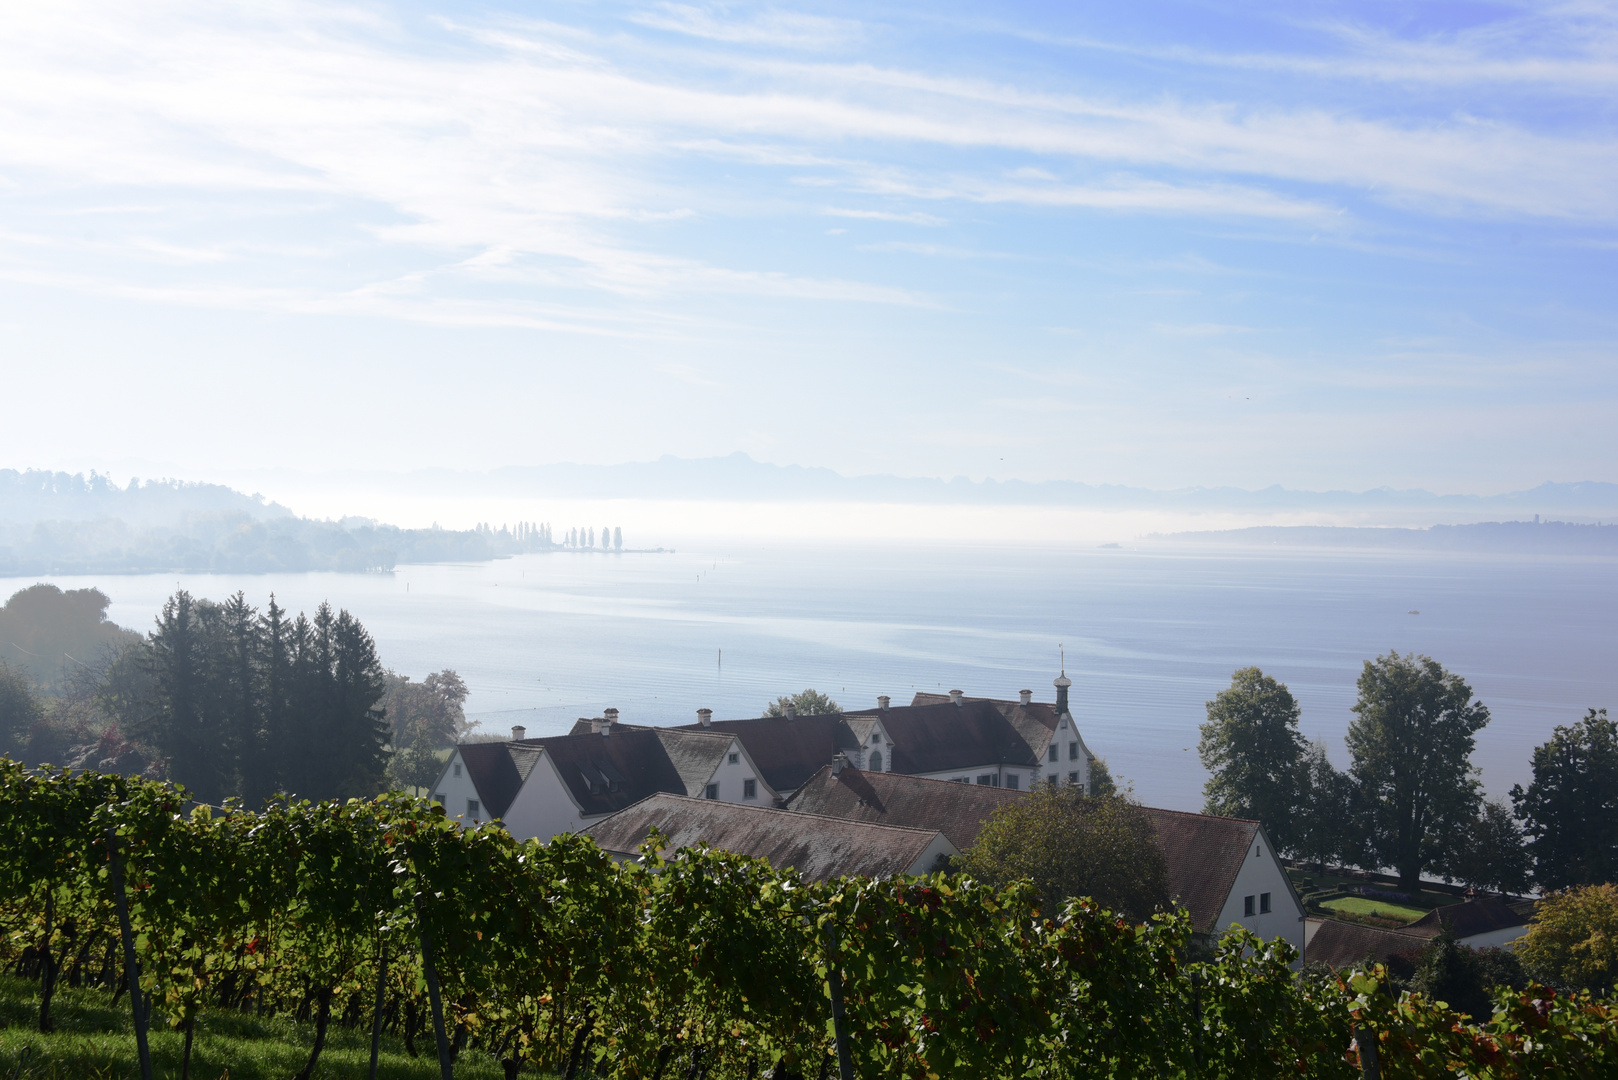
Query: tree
1573	940
1448	971
414	766
1322	824
1570	809
53	634
19	710
804	703
1253	750
1101	781
1411	743
1071	844
428	713
618	538
1492	855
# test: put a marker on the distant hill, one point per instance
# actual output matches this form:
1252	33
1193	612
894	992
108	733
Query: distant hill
1500	537
54	523
739	478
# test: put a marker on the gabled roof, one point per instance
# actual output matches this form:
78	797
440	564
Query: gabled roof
1478	915
912	802
1203	854
605	773
497	771
1035	722
1345	944
786	750
817	847
933	738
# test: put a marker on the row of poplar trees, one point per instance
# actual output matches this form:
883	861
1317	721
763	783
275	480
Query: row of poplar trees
254	704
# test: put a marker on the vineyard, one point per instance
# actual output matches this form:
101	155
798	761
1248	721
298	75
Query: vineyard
383	916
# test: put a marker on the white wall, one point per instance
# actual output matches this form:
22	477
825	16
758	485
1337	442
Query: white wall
457	790
928	861
543	806
1495	938
730	776
1025	777
1262	873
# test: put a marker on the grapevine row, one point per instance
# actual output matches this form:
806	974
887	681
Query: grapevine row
701	964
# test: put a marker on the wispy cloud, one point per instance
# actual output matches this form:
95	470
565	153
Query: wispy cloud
784	28
913	217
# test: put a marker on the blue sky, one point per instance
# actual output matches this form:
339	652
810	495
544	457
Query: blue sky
1159	244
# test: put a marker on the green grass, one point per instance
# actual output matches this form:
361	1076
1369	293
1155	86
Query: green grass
93	1041
1364	905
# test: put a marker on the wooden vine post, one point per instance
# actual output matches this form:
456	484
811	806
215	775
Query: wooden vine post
131	969
445	1066
834	982
381	991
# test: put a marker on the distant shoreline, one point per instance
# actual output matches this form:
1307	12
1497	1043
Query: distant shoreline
1490	537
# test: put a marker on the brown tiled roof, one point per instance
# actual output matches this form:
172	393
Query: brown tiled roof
1202	854
1479	915
1035	722
785	750
1345	944
497	772
940	738
912	802
817	847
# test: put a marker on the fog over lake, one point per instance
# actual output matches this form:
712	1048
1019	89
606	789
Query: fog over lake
1151	632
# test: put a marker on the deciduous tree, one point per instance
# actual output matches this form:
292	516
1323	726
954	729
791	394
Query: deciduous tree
1253	750
804	703
19	709
1411	745
1072	844
1573	940
1491	854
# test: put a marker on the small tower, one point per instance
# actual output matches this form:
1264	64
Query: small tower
1062	683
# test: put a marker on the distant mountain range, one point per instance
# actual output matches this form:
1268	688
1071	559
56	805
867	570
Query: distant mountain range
739	478
1493	537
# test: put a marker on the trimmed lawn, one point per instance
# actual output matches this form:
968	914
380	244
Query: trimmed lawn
93	1041
1364	905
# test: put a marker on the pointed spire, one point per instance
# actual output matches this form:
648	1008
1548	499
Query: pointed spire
1062	683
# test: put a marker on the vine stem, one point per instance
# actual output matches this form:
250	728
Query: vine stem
834	982
446	1068
131	967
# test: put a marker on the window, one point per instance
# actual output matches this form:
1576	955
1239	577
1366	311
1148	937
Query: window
472	808
734	758
1263	903
1051	778
711	791
438	797
876	739
960	780
1011	781
876	761
1247	905
1056	752
1073	751
1073	778
456	768
750	791
986	780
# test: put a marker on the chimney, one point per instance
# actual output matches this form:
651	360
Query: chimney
611	716
595	725
792	710
882	702
1062	683
705	717
1027	696
955	697
518	733
839	762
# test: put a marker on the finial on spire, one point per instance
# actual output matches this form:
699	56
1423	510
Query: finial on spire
1063	650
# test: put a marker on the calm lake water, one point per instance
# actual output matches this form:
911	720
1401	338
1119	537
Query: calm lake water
1151	633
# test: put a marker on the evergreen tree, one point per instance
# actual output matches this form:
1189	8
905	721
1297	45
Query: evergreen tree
1253	750
618	538
1571	808
1411	745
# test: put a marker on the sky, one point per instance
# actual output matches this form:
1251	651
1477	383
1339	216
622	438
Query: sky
1162	244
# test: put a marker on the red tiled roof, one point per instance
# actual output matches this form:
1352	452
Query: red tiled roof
817	847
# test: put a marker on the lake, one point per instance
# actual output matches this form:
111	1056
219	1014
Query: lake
1151	632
